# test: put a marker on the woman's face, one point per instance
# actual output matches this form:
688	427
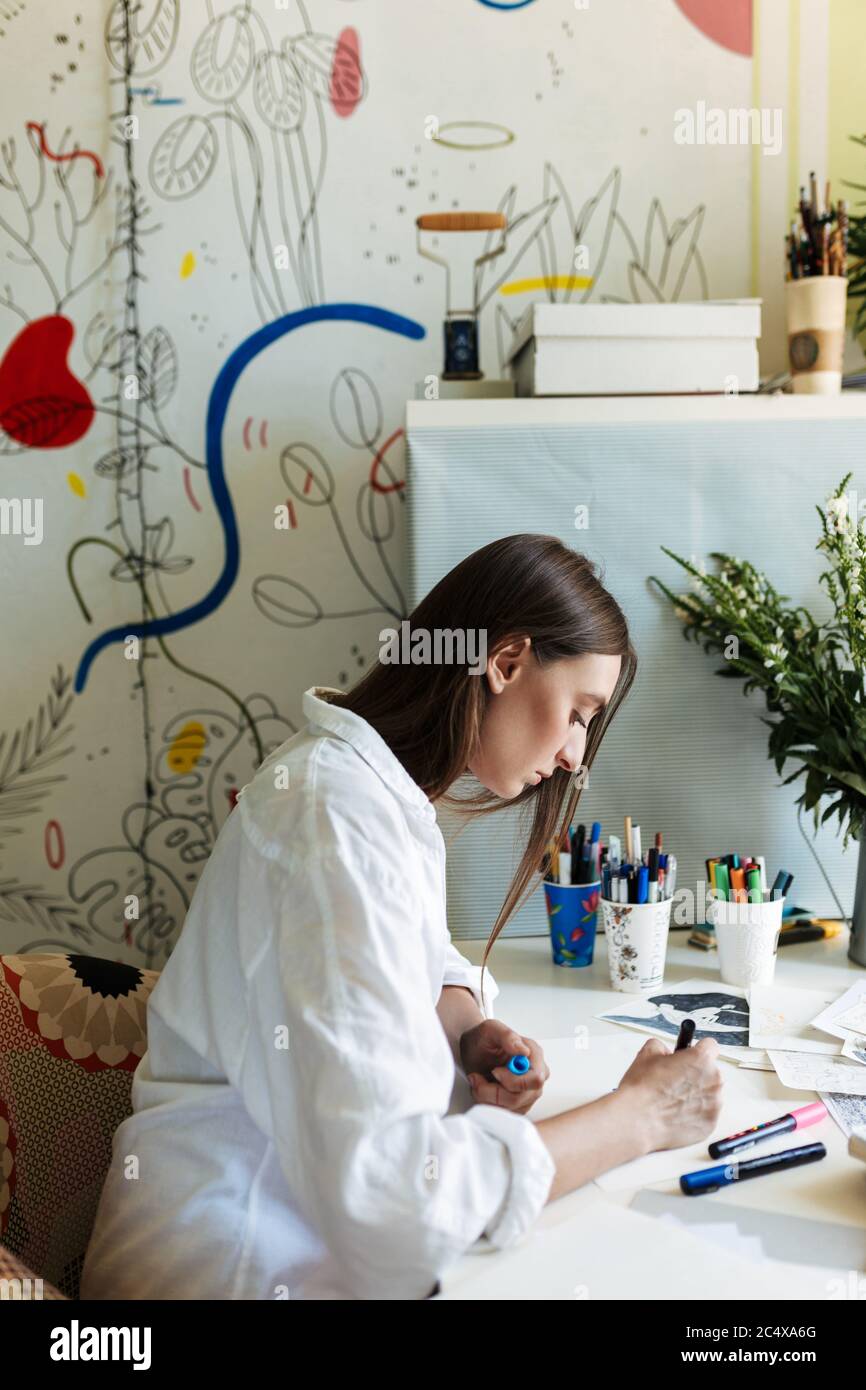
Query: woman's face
536	719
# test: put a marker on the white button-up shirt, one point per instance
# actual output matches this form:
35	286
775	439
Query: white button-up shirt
291	1134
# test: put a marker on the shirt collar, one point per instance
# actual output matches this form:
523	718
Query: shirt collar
366	741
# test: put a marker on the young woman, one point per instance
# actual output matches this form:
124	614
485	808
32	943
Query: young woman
291	1134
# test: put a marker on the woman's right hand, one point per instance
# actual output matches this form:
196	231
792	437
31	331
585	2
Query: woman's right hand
679	1093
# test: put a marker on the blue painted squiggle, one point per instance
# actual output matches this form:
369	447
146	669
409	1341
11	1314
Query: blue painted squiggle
216	413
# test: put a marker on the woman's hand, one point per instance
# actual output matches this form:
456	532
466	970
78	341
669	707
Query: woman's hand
484	1052
680	1092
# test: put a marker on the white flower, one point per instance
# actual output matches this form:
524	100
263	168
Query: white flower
778	655
837	513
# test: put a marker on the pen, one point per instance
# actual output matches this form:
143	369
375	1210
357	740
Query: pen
753	883
642	883
782	883
576	853
795	1119
635	839
595	852
711	1179
653	871
684	1040
519	1064
671	876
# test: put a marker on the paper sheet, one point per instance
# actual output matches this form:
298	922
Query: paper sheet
809	1071
724	1234
605	1251
781	1017
720	1011
855	1048
781	1235
826	1021
847	1111
853	1020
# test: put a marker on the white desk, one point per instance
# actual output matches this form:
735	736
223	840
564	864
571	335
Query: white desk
542	1000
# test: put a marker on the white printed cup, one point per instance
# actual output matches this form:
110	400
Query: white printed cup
747	935
637	941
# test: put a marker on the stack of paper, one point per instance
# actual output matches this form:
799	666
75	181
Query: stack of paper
813	1041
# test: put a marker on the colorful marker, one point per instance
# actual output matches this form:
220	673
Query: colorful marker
711	1179
519	1064
796	1119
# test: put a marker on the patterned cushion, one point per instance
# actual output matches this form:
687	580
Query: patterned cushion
18	1282
72	1032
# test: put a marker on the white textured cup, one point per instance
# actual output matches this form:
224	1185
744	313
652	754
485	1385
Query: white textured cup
637	940
747	935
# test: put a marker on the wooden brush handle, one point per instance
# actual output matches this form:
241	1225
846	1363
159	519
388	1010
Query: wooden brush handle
460	221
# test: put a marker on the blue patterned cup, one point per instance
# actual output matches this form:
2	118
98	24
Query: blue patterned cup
572	912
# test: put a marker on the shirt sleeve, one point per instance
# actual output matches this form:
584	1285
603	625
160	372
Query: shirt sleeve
397	1188
460	971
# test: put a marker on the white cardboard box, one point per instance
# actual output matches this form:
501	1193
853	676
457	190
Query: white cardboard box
637	349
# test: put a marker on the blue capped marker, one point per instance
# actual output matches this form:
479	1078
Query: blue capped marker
711	1179
519	1065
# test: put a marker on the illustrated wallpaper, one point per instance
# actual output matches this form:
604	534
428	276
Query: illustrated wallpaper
212	312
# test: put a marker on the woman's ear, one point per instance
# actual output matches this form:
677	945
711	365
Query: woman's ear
504	665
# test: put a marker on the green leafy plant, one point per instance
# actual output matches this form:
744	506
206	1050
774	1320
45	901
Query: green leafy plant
811	674
857	252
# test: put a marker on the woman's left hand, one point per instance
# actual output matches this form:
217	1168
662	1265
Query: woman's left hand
484	1052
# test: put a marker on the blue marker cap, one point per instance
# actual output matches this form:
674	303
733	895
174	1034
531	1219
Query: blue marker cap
519	1065
707	1180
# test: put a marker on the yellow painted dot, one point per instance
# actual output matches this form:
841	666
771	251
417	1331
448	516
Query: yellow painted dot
77	484
187	266
187	748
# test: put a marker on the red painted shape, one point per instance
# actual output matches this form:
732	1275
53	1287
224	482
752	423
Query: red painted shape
42	404
62	158
374	482
292	518
55	850
347	81
727	22
308	481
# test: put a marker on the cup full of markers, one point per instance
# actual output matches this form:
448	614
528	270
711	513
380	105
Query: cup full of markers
637	897
572	888
746	916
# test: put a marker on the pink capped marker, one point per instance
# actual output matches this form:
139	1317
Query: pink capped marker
797	1119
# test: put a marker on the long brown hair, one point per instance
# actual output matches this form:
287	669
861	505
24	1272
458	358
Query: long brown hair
430	715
